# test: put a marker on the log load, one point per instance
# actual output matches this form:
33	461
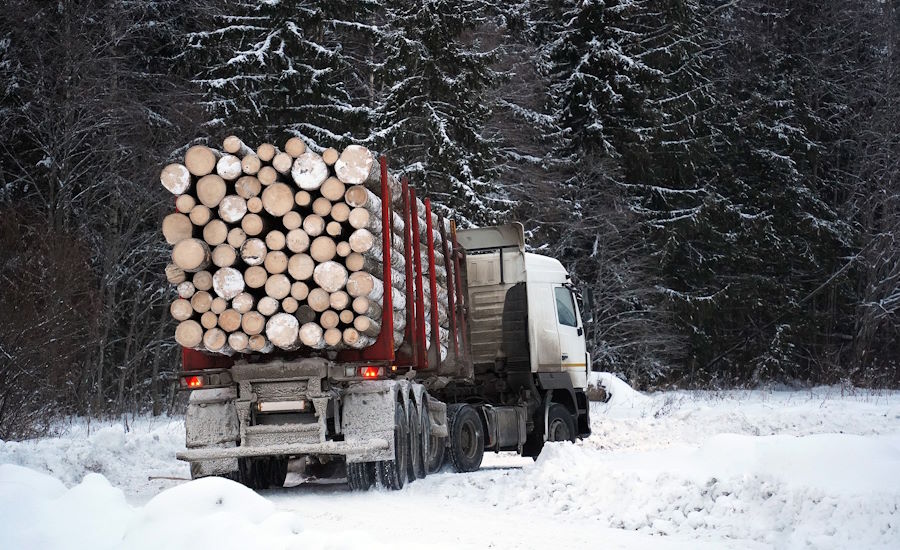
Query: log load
282	249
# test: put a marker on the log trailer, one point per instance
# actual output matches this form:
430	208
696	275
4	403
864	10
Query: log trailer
513	378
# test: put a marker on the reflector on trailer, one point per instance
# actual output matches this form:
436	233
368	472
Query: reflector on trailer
194	381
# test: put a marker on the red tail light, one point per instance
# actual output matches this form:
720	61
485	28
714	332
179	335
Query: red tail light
371	372
194	381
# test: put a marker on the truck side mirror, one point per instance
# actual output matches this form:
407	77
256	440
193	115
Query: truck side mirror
589	318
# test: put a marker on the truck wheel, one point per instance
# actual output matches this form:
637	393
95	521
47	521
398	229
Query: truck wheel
392	473
263	473
560	424
416	466
466	438
360	475
425	438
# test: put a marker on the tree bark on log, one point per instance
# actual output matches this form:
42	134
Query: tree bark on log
174	274
233	145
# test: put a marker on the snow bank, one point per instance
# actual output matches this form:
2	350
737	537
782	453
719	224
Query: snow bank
824	491
127	458
37	511
621	395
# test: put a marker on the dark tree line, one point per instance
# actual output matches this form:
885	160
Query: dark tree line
723	175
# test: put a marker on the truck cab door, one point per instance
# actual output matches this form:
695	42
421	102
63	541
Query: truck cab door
572	347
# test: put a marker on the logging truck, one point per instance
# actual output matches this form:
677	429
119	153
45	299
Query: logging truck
472	345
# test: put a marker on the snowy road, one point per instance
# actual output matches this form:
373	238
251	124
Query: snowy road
807	469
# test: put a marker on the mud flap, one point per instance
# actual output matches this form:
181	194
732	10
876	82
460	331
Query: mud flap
368	412
211	421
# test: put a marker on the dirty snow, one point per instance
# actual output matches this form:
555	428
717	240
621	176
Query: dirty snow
738	469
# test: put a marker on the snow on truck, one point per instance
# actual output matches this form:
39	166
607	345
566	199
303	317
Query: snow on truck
507	374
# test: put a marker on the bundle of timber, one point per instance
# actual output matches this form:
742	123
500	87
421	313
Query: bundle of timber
280	249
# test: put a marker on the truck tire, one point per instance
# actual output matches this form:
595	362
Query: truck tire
466	438
562	428
361	475
391	474
416	462
425	439
262	473
560	424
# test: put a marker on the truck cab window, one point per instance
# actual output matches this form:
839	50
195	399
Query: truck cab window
565	307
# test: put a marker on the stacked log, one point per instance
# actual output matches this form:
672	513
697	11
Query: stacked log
282	249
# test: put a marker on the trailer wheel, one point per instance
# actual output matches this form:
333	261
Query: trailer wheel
416	462
466	438
262	473
425	441
360	475
391	474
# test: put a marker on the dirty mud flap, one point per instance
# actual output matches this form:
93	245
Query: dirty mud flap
368	413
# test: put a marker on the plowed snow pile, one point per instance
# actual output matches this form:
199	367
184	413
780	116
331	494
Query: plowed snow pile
761	469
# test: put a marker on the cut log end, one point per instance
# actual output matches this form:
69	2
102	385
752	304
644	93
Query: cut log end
176	178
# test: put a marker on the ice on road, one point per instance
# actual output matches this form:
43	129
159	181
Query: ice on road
739	469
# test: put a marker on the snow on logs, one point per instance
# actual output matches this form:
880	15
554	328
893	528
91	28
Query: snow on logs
282	249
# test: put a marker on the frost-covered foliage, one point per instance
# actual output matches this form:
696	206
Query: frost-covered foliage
432	103
288	67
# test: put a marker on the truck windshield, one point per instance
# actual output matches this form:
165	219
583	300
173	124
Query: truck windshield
565	307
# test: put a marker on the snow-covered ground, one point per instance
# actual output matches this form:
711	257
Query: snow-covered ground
741	469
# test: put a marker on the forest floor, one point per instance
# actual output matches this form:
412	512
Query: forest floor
737	469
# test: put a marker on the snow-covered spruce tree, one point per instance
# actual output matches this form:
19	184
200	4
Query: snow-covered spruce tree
743	265
276	68
599	91
433	102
